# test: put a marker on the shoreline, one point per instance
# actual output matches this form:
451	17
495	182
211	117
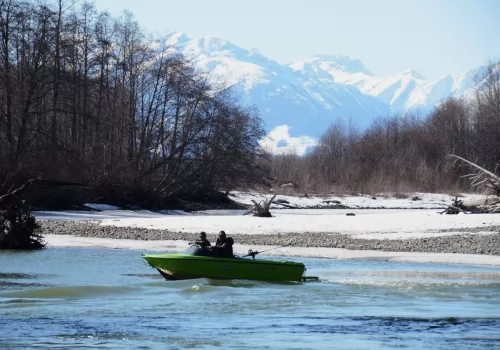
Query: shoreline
476	241
69	241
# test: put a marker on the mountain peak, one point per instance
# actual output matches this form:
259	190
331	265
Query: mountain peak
208	44
177	38
413	73
213	44
307	95
254	51
343	63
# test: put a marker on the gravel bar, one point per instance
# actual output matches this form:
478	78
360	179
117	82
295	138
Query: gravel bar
466	243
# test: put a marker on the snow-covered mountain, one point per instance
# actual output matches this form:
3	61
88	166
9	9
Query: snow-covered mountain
299	101
404	92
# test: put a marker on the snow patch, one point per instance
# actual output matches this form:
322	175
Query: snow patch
279	141
101	206
366	224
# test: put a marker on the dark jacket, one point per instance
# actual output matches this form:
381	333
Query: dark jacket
203	242
224	247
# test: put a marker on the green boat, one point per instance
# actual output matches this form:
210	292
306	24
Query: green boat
199	262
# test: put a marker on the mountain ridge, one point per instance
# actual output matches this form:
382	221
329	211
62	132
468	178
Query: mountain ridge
298	101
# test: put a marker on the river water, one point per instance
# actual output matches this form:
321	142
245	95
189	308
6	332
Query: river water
103	298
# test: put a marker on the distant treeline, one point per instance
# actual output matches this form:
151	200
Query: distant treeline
92	100
404	153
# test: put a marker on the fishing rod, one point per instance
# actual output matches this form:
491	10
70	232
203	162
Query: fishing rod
254	253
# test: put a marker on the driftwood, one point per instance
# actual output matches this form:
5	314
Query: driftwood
286	205
18	228
477	206
261	209
481	178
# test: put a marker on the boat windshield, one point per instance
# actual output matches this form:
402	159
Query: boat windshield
197	250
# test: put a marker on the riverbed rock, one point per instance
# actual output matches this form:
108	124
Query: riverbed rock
463	243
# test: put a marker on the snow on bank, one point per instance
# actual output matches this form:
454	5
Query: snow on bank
330	253
101	206
424	201
406	201
366	224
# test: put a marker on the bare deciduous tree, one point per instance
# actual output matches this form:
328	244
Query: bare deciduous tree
88	98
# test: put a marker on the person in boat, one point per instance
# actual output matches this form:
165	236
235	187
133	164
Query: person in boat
224	245
220	239
202	241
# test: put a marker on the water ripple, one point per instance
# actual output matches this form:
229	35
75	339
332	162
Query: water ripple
72	292
114	301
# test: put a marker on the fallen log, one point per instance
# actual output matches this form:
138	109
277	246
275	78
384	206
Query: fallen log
480	178
286	205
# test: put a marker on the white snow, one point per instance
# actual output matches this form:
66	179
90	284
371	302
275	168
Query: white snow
371	224
279	141
101	206
239	249
367	223
425	200
404	91
406	201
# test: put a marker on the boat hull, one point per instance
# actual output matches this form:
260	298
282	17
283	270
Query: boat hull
183	266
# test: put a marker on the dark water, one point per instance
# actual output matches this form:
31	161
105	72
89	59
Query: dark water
100	298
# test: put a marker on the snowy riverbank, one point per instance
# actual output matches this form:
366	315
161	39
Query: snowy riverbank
406	229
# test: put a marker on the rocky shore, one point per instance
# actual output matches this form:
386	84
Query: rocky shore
466	243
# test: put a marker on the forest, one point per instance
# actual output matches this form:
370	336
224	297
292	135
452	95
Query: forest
96	110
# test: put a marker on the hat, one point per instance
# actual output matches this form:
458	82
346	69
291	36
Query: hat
203	234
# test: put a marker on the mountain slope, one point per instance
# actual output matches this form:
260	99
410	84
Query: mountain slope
299	101
403	92
305	105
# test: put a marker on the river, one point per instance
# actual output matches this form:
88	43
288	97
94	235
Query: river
109	298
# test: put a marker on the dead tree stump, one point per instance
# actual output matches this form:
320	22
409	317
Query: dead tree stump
18	228
261	209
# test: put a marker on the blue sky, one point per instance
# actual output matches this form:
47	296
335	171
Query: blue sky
434	37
